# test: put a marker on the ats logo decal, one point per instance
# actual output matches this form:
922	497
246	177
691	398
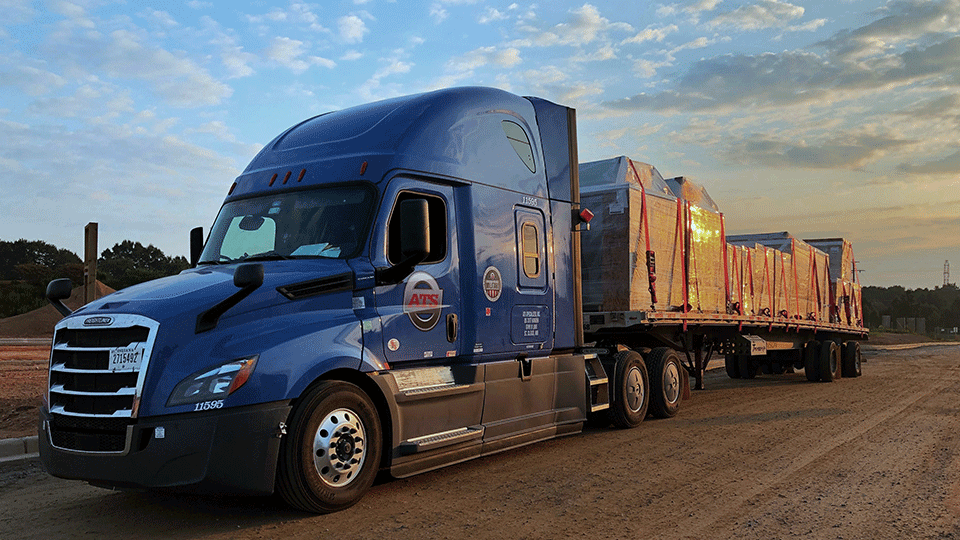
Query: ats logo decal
492	283
423	300
98	321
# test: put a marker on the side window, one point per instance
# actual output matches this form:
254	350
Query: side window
531	249
438	228
521	144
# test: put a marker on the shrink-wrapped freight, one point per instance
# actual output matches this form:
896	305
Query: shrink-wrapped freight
800	287
843	277
636	214
614	251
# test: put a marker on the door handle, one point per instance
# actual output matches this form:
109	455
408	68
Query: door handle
452	327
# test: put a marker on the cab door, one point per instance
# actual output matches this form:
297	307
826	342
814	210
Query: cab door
420	316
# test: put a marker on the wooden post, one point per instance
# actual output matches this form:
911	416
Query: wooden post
89	263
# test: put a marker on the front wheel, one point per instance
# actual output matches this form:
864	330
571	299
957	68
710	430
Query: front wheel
331	457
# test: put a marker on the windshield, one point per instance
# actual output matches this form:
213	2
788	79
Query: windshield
327	222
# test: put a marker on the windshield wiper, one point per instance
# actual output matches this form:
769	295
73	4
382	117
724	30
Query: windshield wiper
266	256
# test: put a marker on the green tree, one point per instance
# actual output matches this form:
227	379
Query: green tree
128	263
26	266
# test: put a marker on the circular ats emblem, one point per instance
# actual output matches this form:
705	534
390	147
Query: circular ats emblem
492	283
423	300
393	344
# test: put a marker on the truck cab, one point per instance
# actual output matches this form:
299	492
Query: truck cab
388	287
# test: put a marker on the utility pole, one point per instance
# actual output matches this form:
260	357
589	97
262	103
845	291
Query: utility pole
90	263
946	273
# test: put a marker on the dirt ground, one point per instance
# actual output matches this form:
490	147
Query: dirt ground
876	457
23	376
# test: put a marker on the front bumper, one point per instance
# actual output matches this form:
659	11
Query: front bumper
225	451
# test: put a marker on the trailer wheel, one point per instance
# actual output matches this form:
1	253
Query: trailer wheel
331	457
631	391
666	382
733	367
811	361
748	370
852	359
829	361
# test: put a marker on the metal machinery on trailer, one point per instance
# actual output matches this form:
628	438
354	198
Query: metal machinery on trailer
397	287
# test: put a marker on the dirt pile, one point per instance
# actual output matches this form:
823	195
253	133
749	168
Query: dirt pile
40	322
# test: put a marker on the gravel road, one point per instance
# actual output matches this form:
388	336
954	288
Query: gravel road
777	457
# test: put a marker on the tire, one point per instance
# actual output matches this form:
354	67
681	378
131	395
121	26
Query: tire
852	359
733	368
811	361
829	361
332	454
748	370
631	390
666	382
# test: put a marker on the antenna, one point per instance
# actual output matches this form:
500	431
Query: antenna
946	273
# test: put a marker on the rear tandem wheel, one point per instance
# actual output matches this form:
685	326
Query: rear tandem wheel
631	390
666	382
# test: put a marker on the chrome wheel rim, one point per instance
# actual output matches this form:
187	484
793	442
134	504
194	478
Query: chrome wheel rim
634	391
671	383
339	447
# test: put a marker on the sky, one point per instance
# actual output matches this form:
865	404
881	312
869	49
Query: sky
824	119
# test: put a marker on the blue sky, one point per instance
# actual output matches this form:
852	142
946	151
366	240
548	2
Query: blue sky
824	119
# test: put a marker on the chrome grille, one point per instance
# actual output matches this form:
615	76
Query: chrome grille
93	400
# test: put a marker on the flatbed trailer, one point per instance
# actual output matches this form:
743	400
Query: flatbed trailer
700	336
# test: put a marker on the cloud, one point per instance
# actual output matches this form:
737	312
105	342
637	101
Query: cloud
946	165
584	26
439	12
491	15
849	152
369	90
127	163
904	21
764	14
484	56
127	55
352	29
292	54
161	18
32	81
794	77
297	13
651	34
694	9
939	107
17	11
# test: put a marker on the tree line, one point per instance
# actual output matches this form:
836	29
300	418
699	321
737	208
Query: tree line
940	306
26	266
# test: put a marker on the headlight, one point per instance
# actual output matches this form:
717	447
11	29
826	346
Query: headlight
213	383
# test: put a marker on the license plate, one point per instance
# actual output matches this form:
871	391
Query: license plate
126	359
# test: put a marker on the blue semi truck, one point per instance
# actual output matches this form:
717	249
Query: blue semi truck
393	287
